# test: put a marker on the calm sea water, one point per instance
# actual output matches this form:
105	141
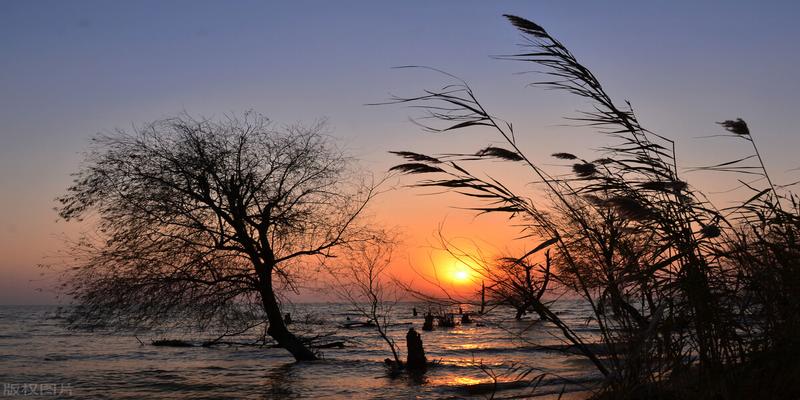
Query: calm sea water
39	358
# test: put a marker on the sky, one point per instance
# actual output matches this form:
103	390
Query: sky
69	70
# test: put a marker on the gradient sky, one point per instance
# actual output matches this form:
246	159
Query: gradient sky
71	69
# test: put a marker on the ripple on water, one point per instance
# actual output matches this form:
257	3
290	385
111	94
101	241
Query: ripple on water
34	347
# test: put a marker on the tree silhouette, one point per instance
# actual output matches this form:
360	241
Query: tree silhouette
208	221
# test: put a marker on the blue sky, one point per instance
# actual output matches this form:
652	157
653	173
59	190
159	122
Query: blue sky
71	69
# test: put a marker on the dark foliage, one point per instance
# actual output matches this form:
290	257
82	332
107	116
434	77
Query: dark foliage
681	291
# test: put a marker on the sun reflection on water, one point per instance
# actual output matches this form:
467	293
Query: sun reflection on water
465	380
466	346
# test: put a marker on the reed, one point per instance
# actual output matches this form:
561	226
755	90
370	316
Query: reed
682	292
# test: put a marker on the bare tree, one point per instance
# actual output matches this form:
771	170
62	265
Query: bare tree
519	283
362	281
203	221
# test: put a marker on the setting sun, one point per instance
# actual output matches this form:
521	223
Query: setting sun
460	272
460	275
310	200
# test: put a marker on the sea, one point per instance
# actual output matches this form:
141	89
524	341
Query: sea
495	356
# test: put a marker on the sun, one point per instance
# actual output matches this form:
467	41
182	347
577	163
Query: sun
460	272
460	275
454	271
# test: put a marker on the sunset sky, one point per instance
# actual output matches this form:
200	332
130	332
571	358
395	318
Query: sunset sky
69	70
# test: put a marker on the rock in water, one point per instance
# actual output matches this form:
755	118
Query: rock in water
416	353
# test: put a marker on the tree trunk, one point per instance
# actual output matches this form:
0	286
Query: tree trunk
416	353
277	328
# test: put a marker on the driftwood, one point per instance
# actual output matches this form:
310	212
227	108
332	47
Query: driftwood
350	325
338	345
171	343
